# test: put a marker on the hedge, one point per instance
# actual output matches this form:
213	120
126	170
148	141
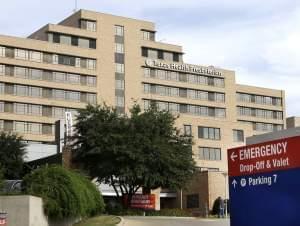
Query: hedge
65	193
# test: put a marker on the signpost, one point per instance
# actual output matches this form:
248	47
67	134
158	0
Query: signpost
264	181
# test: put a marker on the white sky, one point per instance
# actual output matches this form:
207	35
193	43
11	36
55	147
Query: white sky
258	39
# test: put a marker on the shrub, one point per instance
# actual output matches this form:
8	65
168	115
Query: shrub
65	193
170	212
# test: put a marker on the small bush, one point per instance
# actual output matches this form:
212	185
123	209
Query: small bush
65	193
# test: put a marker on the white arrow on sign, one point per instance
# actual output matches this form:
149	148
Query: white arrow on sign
234	183
233	156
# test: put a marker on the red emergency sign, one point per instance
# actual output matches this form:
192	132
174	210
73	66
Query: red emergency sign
264	157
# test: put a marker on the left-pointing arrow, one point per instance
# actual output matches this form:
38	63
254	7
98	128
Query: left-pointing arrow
233	156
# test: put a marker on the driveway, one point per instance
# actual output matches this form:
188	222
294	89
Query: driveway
173	221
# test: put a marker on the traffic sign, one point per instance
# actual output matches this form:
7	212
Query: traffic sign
264	181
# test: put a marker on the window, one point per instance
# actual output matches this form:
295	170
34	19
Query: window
144	52
209	153
192	201
20	127
58	112
2	51
35	110
91	81
119	47
21	72
34	91
1	107
168	56
73	78
10	52
35	56
84	43
219	82
21	54
119	58
119	68
59	77
59	94
187	129
20	90
91	64
73	96
66	60
119	30
220	112
56	38
120	101
91	26
120	84
88	25
2	69
147	72
176	57
209	133
34	128
147	88
152	54
148	35
238	135
20	109
48	58
91	98
65	39
47	129
36	74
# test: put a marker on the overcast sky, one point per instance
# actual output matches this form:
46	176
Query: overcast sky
258	39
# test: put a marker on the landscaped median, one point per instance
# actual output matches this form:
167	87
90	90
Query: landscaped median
100	221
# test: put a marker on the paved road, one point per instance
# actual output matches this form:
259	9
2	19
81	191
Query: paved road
173	221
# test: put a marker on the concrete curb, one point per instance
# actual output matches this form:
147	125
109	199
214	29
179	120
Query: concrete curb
160	217
122	222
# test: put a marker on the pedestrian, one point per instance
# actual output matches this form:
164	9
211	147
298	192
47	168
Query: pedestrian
221	207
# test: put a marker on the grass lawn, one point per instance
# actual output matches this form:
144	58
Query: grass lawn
100	221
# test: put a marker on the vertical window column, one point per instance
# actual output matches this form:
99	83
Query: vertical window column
119	69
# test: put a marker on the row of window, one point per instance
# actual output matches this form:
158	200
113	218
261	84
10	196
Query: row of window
183	92
35	110
259	113
183	77
258	99
264	127
27	127
38	74
50	58
72	40
119	69
38	92
212	133
187	109
161	54
88	25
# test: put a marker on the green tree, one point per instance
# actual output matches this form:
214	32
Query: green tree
144	150
1	178
65	193
12	151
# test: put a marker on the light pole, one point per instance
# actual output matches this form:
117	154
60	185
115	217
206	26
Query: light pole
225	179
